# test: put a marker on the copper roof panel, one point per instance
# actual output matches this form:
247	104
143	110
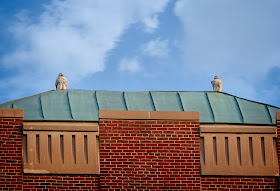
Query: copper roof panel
6	105
32	107
55	105
139	101
253	112
110	100
83	105
167	101
225	108
197	101
272	112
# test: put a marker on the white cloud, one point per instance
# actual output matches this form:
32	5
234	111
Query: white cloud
72	37
236	40
129	64
151	23
157	48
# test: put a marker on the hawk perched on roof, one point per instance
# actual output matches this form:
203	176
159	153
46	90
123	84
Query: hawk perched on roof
61	82
217	84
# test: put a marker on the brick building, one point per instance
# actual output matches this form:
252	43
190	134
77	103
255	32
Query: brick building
109	140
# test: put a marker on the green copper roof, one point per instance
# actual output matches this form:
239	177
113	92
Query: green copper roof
83	105
225	108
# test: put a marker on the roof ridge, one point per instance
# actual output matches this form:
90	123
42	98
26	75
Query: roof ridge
250	100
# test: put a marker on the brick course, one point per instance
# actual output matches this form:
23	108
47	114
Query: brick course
239	183
60	182
149	155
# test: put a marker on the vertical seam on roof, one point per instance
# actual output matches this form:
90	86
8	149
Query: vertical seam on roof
271	116
267	110
182	107
42	107
124	100
68	98
95	94
210	107
236	101
154	106
97	101
97	104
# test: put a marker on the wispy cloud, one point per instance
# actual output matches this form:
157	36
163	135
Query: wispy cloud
129	64
157	48
236	40
151	23
72	37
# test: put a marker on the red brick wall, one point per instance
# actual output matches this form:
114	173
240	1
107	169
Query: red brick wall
134	155
149	155
11	176
62	182
11	149
239	183
278	139
243	183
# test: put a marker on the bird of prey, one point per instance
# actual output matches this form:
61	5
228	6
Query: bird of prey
217	84
61	82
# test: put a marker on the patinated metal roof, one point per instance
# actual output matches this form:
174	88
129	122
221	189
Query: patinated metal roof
83	105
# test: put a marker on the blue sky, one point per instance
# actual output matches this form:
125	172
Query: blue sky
167	45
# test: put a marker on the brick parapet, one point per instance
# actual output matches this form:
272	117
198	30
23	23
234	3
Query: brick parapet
11	162
11	121
135	154
278	139
149	155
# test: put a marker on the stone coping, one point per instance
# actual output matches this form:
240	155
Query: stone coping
60	126
237	129
11	113
278	116
149	115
